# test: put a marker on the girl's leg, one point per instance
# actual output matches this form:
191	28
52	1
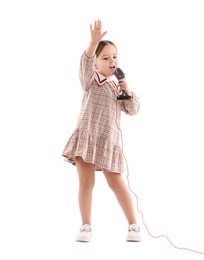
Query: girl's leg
86	172
118	186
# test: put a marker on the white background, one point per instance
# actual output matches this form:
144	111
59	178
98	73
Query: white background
160	47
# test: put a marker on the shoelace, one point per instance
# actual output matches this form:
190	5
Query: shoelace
134	227
86	228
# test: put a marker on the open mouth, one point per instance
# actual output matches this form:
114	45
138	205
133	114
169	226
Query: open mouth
113	68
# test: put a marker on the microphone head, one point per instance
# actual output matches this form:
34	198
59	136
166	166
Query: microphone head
119	74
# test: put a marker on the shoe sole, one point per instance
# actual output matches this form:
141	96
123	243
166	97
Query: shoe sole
130	240
83	241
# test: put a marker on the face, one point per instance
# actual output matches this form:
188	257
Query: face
107	61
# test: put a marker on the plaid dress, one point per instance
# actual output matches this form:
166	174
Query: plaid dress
96	137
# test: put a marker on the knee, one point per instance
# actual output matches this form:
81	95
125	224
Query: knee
115	185
86	185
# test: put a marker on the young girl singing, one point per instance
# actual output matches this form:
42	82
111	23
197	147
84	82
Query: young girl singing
95	143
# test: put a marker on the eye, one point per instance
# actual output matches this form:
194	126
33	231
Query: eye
115	57
105	58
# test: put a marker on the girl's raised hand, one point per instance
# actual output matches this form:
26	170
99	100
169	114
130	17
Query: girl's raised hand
96	34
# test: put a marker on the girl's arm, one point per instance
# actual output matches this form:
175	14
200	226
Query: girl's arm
88	59
96	37
129	106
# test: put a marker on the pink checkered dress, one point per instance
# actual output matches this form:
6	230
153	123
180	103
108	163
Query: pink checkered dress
96	137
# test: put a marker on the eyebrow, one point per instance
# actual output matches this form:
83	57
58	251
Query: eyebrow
108	55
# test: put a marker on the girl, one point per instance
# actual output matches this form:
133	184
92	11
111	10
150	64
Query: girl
95	143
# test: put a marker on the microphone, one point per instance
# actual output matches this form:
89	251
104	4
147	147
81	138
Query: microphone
121	75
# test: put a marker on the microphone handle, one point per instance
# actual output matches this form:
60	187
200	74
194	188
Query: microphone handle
123	96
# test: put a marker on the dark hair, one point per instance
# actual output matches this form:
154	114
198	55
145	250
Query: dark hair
101	45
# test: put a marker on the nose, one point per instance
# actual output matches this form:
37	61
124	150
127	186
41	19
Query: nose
111	60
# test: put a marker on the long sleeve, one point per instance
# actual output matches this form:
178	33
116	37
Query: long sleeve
86	71
130	106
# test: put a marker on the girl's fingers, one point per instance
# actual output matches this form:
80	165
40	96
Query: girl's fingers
96	30
95	25
121	82
91	29
122	85
99	25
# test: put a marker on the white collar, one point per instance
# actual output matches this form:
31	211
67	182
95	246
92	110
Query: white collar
100	78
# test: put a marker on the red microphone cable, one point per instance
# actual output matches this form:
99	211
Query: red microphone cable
127	177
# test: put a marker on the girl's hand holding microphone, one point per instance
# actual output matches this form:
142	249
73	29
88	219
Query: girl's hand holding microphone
123	86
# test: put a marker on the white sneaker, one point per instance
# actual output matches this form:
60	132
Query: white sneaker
85	233
133	233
